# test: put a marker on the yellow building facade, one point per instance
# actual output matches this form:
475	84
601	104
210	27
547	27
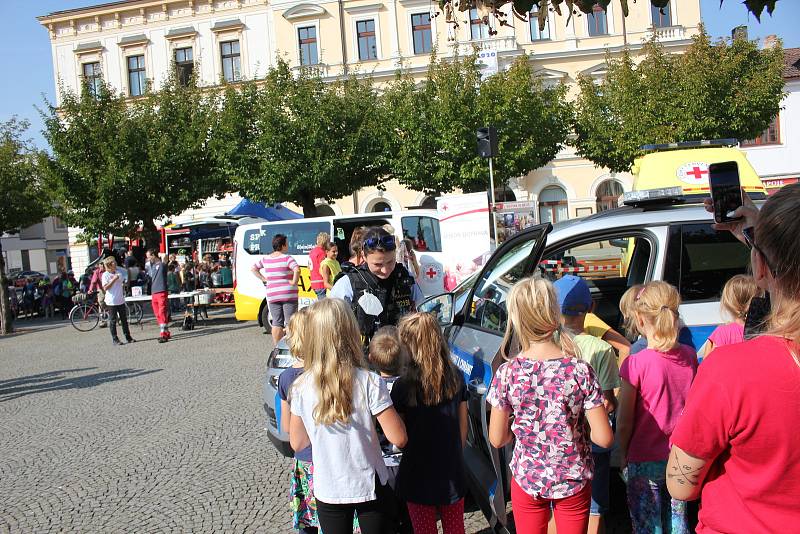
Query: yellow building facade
131	42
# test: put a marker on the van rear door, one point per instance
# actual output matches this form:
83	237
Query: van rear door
475	341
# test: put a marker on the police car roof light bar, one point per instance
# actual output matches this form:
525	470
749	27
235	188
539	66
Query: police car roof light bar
647	196
690	144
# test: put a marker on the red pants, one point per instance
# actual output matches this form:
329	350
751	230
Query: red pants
160	307
531	515
423	517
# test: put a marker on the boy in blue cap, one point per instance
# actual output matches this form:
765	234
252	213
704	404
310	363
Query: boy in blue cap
575	301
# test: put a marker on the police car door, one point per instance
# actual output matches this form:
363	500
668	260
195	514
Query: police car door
475	341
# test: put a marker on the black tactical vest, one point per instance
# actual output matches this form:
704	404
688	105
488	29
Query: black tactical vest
397	300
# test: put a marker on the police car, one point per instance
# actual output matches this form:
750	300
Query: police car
662	232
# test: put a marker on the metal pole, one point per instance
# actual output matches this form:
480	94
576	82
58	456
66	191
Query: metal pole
491	208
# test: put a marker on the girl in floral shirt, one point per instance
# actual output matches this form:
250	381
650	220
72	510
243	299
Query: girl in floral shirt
550	394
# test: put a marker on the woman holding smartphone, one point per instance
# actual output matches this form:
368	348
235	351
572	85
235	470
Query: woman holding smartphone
737	446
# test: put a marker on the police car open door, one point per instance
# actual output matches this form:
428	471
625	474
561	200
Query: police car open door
475	339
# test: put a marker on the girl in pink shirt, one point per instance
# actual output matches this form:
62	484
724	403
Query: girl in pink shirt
735	301
655	383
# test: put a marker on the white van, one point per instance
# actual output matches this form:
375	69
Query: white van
253	241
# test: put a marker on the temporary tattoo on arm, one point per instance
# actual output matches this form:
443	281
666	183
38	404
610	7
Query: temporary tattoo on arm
682	472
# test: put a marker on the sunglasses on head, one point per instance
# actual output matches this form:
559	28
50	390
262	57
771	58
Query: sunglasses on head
386	242
749	235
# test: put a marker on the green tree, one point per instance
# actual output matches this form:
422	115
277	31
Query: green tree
23	200
118	165
434	141
712	91
304	139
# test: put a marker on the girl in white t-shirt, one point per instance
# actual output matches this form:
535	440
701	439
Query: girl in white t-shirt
333	403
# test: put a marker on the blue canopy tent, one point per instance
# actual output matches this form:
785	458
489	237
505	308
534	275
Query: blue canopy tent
276	212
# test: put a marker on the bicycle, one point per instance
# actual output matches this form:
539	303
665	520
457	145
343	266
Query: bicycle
86	315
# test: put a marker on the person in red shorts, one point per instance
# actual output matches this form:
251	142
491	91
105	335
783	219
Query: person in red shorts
737	444
157	271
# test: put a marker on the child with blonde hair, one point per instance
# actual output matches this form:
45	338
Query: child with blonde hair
333	404
432	399
301	492
735	301
550	393
655	384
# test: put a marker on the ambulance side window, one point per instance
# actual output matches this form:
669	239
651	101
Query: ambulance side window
701	260
423	233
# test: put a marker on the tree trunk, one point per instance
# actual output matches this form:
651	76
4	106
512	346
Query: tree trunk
6	317
309	205
151	234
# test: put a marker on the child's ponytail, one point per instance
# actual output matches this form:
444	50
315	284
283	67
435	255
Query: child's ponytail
657	304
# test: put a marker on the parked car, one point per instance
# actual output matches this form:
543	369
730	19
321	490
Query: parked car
671	240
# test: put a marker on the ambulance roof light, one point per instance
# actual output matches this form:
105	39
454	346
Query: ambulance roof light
646	196
690	144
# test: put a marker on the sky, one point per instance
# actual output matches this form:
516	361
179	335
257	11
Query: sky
27	61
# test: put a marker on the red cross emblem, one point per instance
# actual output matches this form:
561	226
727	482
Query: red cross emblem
431	271
694	173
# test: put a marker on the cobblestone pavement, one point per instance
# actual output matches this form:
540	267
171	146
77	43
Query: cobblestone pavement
143	437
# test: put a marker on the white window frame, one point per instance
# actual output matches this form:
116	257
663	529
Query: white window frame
550	29
305	24
410	13
374	17
224	36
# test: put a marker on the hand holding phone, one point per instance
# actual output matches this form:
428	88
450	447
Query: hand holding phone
726	191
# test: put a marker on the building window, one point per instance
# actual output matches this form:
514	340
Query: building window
552	205
184	65
661	16
307	39
421	32
137	77
770	136
598	22
381	206
58	224
477	29
536	34
608	194
367	44
231	61
92	77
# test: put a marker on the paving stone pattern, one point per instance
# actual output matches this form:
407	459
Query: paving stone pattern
143	437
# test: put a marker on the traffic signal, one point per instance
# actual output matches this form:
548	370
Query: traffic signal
487	142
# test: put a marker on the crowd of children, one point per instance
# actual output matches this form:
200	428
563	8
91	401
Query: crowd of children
387	446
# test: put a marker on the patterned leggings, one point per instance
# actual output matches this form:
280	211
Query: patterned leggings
423	517
652	509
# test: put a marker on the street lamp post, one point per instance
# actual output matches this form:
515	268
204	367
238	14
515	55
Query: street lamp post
487	148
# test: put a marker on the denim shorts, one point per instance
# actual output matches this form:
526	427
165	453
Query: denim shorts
600	483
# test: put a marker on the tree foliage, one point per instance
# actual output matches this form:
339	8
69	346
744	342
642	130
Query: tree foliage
23	200
119	165
712	91
302	139
434	124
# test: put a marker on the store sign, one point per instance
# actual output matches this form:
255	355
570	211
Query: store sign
487	63
776	184
512	217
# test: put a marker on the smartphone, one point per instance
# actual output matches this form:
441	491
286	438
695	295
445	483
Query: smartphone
726	191
760	308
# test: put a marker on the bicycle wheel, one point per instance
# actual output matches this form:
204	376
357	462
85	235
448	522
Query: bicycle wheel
84	317
135	312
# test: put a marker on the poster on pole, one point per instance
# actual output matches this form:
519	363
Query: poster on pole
512	217
464	224
487	63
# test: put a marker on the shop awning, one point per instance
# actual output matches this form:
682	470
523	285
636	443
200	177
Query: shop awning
276	212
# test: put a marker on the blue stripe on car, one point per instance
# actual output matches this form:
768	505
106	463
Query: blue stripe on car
278	411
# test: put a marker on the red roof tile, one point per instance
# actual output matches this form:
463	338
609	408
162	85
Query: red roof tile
791	63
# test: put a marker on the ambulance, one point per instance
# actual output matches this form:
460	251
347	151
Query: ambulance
253	241
662	232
